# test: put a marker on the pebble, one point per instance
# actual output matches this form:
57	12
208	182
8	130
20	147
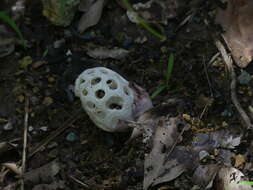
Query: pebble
71	137
203	154
48	101
44	128
8	126
244	77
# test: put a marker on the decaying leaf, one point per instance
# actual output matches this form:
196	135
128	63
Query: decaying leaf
60	13
92	12
44	174
165	162
231	178
236	21
56	185
227	139
204	174
103	53
147	122
154	11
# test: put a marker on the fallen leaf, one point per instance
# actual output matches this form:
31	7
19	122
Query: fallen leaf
103	53
56	185
44	174
165	162
153	11
239	160
204	174
230	178
236	21
92	14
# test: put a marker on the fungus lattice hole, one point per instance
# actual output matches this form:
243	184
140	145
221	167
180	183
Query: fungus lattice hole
115	106
115	103
126	91
91	105
100	94
104	71
85	92
112	84
82	81
95	80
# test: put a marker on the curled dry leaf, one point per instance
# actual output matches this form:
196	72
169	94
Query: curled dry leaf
103	53
13	167
92	12
236	21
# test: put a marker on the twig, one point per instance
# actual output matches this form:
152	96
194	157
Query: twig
207	77
229	63
24	141
79	182
57	132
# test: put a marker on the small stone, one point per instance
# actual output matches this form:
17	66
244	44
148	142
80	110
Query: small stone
44	128
25	61
48	101
244	77
187	117
203	154
30	128
21	98
224	124
8	126
59	43
71	137
51	79
38	64
239	160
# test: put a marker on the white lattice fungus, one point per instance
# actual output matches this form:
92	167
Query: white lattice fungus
105	96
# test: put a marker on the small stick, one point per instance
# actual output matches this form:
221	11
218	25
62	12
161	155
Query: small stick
229	63
79	182
24	141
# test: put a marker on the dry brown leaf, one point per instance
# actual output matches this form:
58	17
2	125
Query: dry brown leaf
93	12
236	21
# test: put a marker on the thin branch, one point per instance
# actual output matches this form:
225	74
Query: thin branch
24	141
229	63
